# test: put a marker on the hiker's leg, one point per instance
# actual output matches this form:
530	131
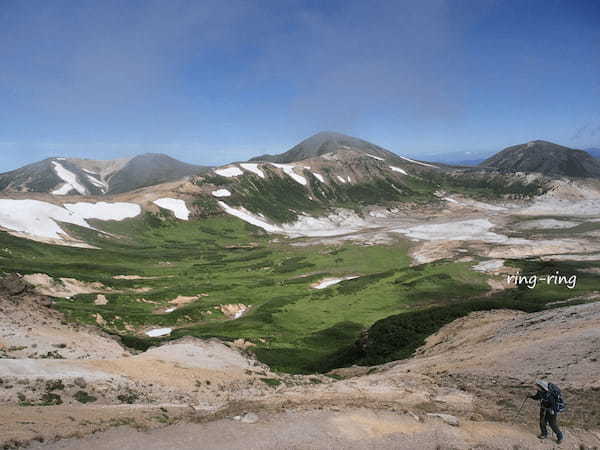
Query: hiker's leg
543	429
552	420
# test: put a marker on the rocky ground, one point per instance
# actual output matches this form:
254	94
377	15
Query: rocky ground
463	389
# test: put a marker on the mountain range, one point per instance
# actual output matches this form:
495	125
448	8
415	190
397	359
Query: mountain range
64	176
345	159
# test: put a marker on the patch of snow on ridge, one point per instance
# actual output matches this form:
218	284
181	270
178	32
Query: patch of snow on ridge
247	216
98	183
104	210
37	218
398	169
419	162
221	193
340	223
319	177
475	204
229	172
467	230
326	282
253	168
288	169
341	179
157	332
178	207
375	157
70	180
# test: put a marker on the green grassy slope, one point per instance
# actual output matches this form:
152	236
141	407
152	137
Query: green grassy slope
295	328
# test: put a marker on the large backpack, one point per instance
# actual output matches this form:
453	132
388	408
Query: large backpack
558	403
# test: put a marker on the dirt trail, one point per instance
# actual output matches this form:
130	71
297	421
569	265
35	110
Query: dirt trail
325	429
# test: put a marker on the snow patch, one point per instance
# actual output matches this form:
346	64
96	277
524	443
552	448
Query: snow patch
221	193
229	172
398	169
70	180
98	183
288	169
37	218
157	332
375	157
246	216
475	204
326	282
104	210
467	230
253	168
343	180
178	207
319	177
419	162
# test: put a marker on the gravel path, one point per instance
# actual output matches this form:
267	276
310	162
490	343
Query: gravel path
357	429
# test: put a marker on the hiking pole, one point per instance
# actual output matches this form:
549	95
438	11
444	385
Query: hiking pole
522	404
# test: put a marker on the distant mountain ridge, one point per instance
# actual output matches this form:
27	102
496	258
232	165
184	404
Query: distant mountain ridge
547	158
76	176
323	143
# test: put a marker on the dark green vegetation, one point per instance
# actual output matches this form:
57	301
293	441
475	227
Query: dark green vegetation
398	336
281	199
487	185
295	328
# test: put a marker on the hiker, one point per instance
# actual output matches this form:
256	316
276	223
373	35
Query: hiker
551	404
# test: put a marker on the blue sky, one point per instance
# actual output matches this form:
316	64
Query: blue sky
213	81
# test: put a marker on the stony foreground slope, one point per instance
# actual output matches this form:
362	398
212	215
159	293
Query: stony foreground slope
461	390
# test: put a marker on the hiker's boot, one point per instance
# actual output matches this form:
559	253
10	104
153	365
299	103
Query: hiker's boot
559	439
542	436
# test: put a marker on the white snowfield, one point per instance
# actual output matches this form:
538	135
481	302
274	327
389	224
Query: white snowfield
419	162
288	169
343	180
229	172
104	210
319	177
375	157
157	332
247	216
221	193
326	282
340	223
176	206
467	230
398	169
39	219
251	167
70	180
475	204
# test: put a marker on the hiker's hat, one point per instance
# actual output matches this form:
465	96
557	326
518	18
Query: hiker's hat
542	384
